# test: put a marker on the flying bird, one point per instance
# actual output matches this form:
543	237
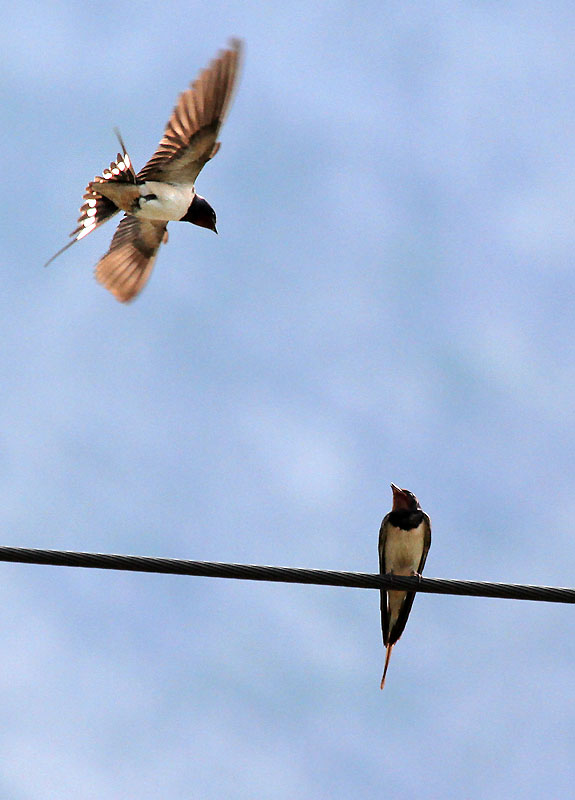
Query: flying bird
404	541
164	189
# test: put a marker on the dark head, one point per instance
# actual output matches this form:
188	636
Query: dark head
404	499
201	213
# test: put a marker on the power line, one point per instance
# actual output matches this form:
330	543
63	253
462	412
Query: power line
252	572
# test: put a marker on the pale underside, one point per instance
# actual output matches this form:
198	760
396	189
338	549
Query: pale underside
150	200
403	549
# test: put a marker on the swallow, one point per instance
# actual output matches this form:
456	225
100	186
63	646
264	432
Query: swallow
404	541
164	189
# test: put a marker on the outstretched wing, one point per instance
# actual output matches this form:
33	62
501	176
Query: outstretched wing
97	209
127	265
189	140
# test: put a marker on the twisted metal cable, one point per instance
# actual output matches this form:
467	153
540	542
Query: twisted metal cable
251	572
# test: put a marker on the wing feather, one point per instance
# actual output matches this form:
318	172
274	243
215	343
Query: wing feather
127	265
383	571
189	140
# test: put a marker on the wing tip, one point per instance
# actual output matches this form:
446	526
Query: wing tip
236	43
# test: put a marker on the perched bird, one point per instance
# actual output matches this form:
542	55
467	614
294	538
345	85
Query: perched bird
404	541
164	189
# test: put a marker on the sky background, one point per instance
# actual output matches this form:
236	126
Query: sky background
390	298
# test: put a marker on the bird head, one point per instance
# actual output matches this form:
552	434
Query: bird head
201	213
404	499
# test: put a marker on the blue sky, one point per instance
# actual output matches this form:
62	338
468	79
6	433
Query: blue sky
390	298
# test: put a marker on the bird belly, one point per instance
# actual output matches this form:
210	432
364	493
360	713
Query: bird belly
403	551
163	201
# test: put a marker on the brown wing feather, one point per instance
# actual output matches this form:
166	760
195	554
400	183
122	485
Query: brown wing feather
127	265
189	140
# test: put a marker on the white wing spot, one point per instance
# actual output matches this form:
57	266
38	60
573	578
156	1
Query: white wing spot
88	228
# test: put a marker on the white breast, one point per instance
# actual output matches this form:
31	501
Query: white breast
171	201
403	549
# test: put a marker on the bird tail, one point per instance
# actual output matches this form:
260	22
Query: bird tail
120	172
387	657
99	206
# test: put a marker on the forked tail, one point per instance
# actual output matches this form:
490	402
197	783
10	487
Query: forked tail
97	209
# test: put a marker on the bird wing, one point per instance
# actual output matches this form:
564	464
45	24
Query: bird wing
383	571
426	543
402	617
97	209
127	265
189	140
